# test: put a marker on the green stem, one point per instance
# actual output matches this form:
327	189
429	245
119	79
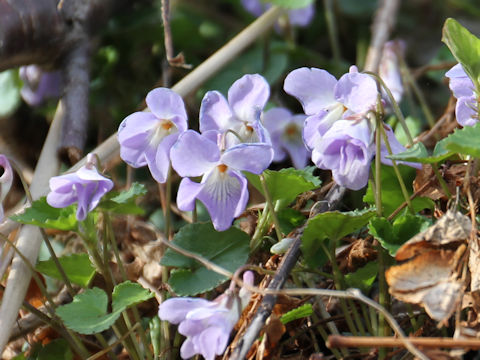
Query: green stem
260	230
44	235
418	93
397	173
367	319
332	30
340	285
168	201
110	236
271	208
378	167
396	108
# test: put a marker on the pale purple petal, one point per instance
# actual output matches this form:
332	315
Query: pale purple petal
211	342
247	96
275	120
188	349
298	153
215	113
187	193
249	157
225	196
396	148
313	87
158	159
133	136
347	150
166	104
466	111
460	84
254	7
358	92
303	16
194	154
38	85
176	309
389	69
317	125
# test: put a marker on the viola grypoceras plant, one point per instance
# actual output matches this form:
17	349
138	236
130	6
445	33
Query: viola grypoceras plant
146	137
85	187
223	188
239	116
206	324
340	127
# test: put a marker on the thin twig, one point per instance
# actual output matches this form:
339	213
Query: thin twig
339	341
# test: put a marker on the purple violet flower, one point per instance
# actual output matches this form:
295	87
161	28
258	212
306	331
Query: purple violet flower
206	324
239	116
297	17
85	187
466	110
6	181
347	149
338	128
38	85
286	134
146	137
223	188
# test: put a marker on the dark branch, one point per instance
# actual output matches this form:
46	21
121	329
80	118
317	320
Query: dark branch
331	202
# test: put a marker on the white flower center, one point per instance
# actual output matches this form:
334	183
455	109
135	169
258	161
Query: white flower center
162	129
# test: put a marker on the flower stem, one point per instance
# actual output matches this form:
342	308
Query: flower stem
397	173
109	234
441	181
332	30
271	208
378	166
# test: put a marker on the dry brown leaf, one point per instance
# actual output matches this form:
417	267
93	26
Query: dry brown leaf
427	280
451	229
474	265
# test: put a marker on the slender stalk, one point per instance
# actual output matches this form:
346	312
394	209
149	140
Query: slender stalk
168	201
378	167
262	225
271	207
383	297
396	108
324	335
108	226
46	240
397	173
332	30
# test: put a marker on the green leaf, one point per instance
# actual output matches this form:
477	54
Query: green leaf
330	225
298	313
55	350
43	215
418	153
87	314
77	267
464	141
228	249
10	91
289	219
286	184
124	202
363	278
291	4
465	47
393	235
127	294
391	193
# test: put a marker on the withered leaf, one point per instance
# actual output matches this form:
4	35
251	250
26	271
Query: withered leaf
453	227
427	280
